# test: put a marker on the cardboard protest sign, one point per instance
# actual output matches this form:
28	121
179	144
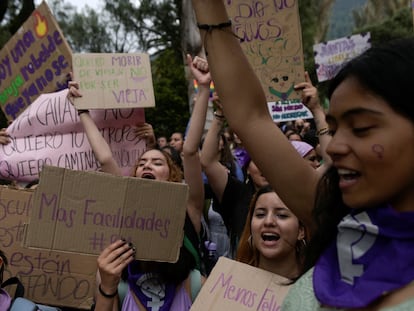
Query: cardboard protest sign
49	132
83	212
114	80
331	55
48	277
235	286
35	60
272	41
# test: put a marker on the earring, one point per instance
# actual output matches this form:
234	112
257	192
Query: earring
300	247
304	244
250	241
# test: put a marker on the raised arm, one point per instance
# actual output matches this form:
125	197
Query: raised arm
191	162
216	173
246	110
146	132
99	145
310	98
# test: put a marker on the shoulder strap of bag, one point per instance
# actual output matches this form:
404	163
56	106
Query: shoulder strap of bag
19	286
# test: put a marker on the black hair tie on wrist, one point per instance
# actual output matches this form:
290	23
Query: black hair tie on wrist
80	111
105	294
210	27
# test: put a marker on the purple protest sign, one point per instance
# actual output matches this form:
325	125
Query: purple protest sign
329	56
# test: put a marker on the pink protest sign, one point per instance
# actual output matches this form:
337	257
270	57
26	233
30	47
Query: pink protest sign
49	132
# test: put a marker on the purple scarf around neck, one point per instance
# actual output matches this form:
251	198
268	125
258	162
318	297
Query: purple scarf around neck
153	294
373	254
5	300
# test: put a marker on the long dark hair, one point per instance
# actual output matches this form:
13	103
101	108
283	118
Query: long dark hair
3	266
328	211
385	71
226	156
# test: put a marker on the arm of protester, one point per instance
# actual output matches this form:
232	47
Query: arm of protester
216	173
192	166
246	110
310	98
146	132
111	262
4	137
99	145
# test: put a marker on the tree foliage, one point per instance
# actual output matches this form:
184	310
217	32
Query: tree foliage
399	25
314	16
171	113
375	12
85	31
155	23
13	13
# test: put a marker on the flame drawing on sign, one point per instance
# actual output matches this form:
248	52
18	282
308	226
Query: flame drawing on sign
40	25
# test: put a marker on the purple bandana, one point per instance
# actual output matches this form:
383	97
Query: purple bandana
153	294
372	255
5	300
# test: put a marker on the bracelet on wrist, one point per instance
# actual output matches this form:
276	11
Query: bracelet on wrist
221	26
322	131
80	111
105	294
219	116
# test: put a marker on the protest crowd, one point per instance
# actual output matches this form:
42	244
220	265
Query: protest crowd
311	213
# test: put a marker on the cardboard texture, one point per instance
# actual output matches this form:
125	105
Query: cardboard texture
50	132
115	80
35	60
49	277
272	42
235	286
83	212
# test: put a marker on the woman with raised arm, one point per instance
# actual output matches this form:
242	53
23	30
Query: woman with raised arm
192	165
246	110
310	98
231	196
364	210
